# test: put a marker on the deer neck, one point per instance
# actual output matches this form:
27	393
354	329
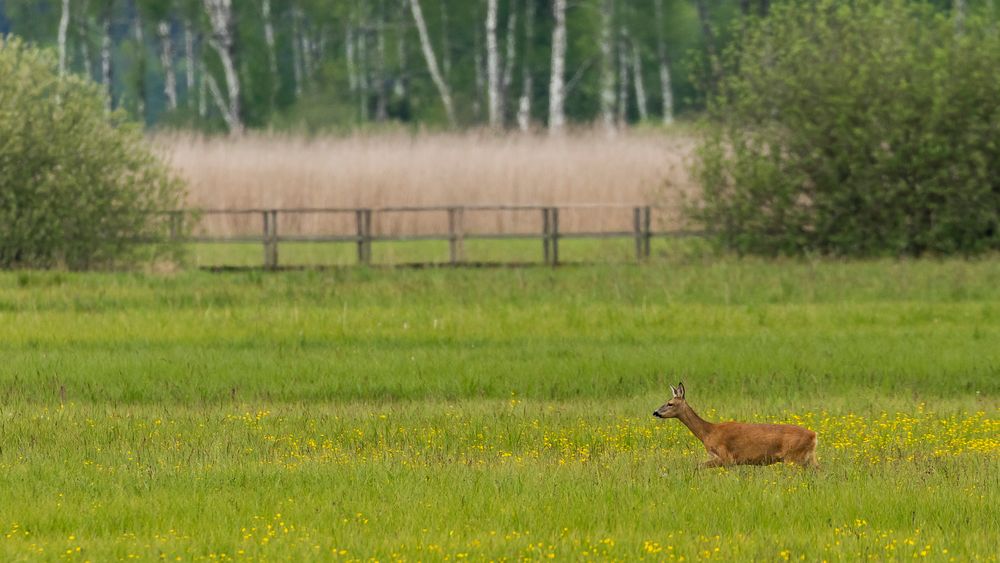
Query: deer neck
697	425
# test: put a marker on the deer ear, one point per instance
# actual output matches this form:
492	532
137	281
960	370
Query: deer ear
680	390
673	391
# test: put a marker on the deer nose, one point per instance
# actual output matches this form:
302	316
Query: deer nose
656	414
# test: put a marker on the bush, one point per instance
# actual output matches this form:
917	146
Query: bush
79	188
856	128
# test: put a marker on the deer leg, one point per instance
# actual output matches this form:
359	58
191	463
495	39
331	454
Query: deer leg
712	463
811	461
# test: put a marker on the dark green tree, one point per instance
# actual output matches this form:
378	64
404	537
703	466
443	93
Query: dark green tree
868	128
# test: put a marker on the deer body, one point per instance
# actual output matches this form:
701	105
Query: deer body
737	443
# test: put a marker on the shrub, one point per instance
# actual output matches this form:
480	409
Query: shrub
79	187
856	128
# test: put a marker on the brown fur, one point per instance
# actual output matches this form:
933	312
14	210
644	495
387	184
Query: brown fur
738	443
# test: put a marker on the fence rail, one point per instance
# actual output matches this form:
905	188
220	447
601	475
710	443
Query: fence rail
364	236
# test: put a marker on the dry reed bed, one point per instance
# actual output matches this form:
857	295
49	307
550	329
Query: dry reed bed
385	170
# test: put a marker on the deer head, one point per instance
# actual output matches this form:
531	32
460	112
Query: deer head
673	407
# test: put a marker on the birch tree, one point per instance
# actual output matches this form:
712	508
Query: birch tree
297	71
666	89
363	74
432	66
381	87
607	66
622	79
189	63
220	15
63	29
140	65
508	60
480	73
352	75
401	87
106	71
557	92
524	103
167	62
640	87
272	57
493	64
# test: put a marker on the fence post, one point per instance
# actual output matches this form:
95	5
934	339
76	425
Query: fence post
554	228
456	234
363	217
270	255
368	236
648	236
545	235
637	215
270	238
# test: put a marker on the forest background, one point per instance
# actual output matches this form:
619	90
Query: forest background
327	65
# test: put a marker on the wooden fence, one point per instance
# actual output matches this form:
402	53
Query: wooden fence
364	236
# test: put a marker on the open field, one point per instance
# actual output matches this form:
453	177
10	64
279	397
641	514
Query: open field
447	414
383	170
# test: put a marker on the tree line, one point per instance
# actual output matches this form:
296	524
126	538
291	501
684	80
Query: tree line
224	64
228	65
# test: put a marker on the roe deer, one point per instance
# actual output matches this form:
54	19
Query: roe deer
737	443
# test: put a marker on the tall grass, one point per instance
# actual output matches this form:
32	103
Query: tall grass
448	414
396	169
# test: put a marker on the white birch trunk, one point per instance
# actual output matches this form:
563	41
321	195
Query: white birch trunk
425	45
88	68
297	52
381	86
960	11
557	84
492	64
352	75
666	89
400	87
63	28
510	58
203	90
480	70
189	63
363	77
140	47
622	80
640	88
524	103
272	57
607	66
220	102
308	70
221	17
106	60
167	61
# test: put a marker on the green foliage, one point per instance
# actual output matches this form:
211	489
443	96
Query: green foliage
78	186
868	128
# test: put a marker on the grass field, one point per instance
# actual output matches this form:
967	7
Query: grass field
498	251
498	414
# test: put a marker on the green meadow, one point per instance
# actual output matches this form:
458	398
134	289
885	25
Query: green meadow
499	414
